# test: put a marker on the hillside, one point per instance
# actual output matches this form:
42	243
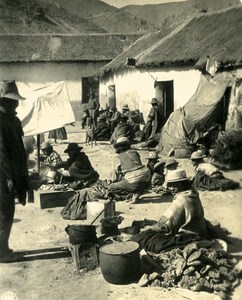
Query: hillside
33	17
83	8
121	21
167	13
95	16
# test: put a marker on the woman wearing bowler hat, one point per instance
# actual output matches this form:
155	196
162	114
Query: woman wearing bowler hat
136	176
182	222
78	168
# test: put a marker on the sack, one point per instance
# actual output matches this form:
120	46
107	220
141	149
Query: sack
75	209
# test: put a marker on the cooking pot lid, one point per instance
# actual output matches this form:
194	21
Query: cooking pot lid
120	247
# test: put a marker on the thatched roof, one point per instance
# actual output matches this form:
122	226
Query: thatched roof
57	48
215	35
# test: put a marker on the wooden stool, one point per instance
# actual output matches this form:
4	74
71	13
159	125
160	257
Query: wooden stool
84	255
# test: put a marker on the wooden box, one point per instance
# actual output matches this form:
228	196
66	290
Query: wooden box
84	255
51	198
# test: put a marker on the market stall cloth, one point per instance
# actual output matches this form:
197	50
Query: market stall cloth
45	108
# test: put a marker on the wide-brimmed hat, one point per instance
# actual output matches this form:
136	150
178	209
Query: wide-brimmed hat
73	147
159	164
121	142
171	161
154	101
197	155
45	145
8	89
125	106
152	155
176	175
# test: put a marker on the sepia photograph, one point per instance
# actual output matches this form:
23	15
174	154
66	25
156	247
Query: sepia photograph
120	149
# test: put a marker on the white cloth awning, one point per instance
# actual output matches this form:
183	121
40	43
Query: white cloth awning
45	109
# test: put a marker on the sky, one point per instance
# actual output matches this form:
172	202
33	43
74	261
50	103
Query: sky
121	3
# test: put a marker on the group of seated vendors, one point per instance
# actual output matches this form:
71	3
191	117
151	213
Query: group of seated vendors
130	177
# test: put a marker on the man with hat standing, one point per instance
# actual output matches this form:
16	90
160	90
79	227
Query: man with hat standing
154	123
93	107
13	172
78	168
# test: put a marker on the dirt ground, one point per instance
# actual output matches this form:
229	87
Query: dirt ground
55	278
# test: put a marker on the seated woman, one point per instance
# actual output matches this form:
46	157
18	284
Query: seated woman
209	177
183	221
49	159
77	170
136	176
102	131
123	129
161	169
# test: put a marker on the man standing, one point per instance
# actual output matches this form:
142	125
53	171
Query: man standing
13	164
93	106
155	122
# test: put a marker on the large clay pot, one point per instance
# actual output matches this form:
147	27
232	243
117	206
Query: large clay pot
120	262
81	234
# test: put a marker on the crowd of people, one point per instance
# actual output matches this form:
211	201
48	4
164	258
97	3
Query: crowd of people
129	178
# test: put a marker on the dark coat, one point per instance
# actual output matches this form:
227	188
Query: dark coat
13	161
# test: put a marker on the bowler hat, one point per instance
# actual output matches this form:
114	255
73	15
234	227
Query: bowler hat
154	101
197	155
123	140
171	161
45	145
159	164
8	89
176	175
73	147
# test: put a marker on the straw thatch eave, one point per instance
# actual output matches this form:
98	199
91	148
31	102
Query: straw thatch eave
215	35
59	48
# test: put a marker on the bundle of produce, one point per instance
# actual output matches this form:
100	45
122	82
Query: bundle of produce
196	269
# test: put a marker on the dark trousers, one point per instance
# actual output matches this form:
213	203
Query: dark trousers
93	116
7	208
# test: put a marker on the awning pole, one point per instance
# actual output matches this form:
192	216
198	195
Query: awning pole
38	153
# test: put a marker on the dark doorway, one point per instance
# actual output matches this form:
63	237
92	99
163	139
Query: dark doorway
164	92
89	85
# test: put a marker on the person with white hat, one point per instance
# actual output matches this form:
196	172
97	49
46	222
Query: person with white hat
136	176
197	159
14	181
185	216
161	169
209	177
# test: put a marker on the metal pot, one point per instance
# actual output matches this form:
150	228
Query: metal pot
120	262
81	234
